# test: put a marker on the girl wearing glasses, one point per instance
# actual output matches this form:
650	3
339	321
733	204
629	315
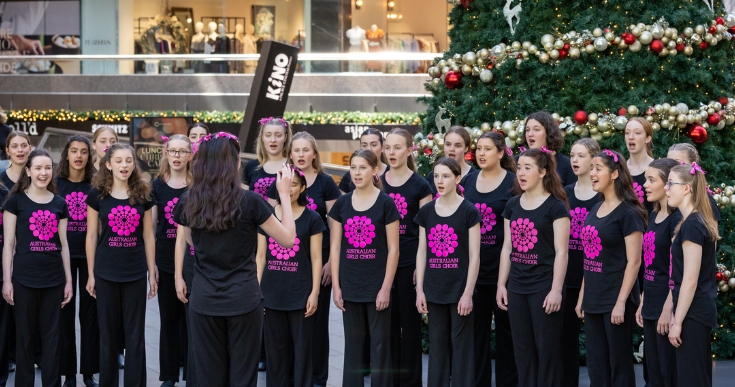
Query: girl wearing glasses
173	178
692	281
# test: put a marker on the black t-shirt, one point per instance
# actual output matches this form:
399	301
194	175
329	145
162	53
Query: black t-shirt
656	248
322	190
704	306
432	185
6	180
407	198
579	209
532	234
346	185
3	194
447	250
564	169
167	198
491	205
287	280
256	178
188	271
603	243
225	273
37	261
120	254
364	247
76	227
640	191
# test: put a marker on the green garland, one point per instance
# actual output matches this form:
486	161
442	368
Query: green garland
229	117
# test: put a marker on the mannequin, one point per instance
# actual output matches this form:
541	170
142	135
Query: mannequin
237	66
248	47
375	44
209	45
197	46
356	35
148	38
177	31
222	46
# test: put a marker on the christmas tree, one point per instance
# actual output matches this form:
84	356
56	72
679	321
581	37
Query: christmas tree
594	65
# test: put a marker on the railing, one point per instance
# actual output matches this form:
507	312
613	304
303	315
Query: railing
305	57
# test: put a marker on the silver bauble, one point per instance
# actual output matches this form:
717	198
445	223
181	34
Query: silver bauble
620	122
688	32
554	54
574	53
716	105
445	70
720	28
708	38
532	49
547	39
632	110
600	44
657	31
658	108
457	57
515	46
558	44
682	108
729	119
603	125
556	117
590	48
485	127
671	45
435	72
699	29
730	20
507	127
636	31
609	36
713	42
592	118
544	57
442	63
486	76
645	38
696	39
475	71
526	45
498	51
469	58
483	53
635	47
597	32
731	282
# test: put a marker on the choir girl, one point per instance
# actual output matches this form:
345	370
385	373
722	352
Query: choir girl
693	283
457	143
447	264
533	264
364	257
74	181
196	132
321	193
221	221
371	139
173	178
36	273
654	313
290	279
542	132
102	139
18	146
410	192
639	142
610	294
489	190
581	198
5	313
272	152
686	153
120	251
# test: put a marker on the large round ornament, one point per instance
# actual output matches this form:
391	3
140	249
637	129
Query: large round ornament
601	44
698	134
657	46
469	58
620	122
657	31
730	20
714	119
435	72
486	76
453	79
466	69
646	37
635	47
580	117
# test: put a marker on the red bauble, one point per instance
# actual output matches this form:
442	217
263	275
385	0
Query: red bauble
720	21
731	30
430	136
698	134
622	111
680	47
469	156
657	46
703	45
712	30
466	3
563	53
714	119
719	276
567	46
452	79
580	117
628	38
724	101
427	151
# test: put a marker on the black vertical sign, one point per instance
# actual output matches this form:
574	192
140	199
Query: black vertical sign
269	92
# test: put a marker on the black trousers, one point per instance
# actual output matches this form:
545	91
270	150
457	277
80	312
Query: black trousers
571	326
227	348
320	343
37	310
5	318
484	308
89	357
191	379
171	312
405	331
694	355
661	356
609	360
536	340
361	318
122	303
288	338
451	355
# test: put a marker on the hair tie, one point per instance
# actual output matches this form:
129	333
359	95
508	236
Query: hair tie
508	152
266	120
522	149
611	154
104	150
300	172
226	135
696	168
164	138
461	189
546	150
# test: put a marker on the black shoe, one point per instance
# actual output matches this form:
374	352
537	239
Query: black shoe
121	361
70	382
168	383
11	366
90	382
261	366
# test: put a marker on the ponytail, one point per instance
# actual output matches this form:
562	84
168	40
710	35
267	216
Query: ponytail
693	175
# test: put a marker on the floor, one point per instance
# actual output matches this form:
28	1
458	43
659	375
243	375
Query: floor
722	372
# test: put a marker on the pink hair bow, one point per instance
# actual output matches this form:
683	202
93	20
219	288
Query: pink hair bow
546	150
522	149
104	150
164	138
611	154
300	172
266	120
696	168
508	152
227	135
